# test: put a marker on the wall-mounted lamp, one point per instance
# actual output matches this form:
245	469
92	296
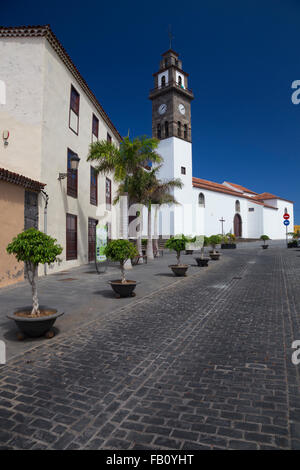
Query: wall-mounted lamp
5	136
74	161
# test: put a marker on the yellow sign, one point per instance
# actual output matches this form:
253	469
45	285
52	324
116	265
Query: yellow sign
296	228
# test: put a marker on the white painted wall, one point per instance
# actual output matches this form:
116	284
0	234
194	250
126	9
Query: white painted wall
273	220
22	70
37	115
177	153
161	75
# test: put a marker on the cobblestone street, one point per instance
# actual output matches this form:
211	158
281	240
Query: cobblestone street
203	364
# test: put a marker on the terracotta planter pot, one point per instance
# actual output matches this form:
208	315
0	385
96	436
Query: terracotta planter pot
215	256
202	261
123	290
179	270
35	327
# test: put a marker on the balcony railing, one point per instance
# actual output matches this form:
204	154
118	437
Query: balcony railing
169	85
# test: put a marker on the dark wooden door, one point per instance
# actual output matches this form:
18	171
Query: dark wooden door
92	238
237	225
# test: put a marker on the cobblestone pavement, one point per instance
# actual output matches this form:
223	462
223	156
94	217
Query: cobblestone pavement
205	364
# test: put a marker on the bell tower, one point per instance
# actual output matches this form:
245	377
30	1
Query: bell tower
171	124
171	100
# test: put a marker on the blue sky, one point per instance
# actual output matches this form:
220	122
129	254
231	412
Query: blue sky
242	57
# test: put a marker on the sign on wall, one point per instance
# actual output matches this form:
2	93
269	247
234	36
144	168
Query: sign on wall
101	242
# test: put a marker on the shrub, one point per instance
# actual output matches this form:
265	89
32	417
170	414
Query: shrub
214	240
177	244
264	238
121	250
34	247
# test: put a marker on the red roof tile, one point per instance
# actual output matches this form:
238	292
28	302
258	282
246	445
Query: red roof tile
241	188
15	178
217	187
45	31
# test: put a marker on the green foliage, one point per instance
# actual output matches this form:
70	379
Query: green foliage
214	240
177	243
144	242
33	246
120	250
228	238
264	238
205	241
125	160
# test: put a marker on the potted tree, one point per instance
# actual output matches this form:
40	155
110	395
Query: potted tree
34	247
121	251
178	244
264	238
202	260
228	241
294	242
213	241
188	249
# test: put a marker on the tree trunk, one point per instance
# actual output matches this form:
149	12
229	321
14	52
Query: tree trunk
122	272
149	241
156	231
124	224
35	300
178	258
202	252
139	235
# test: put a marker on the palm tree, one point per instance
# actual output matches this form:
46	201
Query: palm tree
163	195
126	161
155	191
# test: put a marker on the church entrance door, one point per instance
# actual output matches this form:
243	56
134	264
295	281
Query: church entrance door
237	225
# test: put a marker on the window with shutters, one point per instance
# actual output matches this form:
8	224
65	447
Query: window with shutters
72	180
108	138
74	110
94	187
71	237
95	128
108	193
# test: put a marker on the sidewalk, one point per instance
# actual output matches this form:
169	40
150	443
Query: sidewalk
84	296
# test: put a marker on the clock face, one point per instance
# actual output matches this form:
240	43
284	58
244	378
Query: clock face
181	108
162	109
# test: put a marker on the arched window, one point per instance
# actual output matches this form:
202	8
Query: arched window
158	131
179	129
201	200
179	80
237	206
185	132
166	129
163	81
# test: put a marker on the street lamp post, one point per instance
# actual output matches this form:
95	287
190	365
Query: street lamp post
74	161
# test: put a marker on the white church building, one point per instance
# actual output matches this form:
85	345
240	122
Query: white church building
204	207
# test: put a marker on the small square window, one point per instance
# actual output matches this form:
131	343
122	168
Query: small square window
251	209
183	170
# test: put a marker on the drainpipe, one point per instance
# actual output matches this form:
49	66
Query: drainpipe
46	198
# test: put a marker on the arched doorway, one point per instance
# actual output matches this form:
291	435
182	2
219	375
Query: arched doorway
237	225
